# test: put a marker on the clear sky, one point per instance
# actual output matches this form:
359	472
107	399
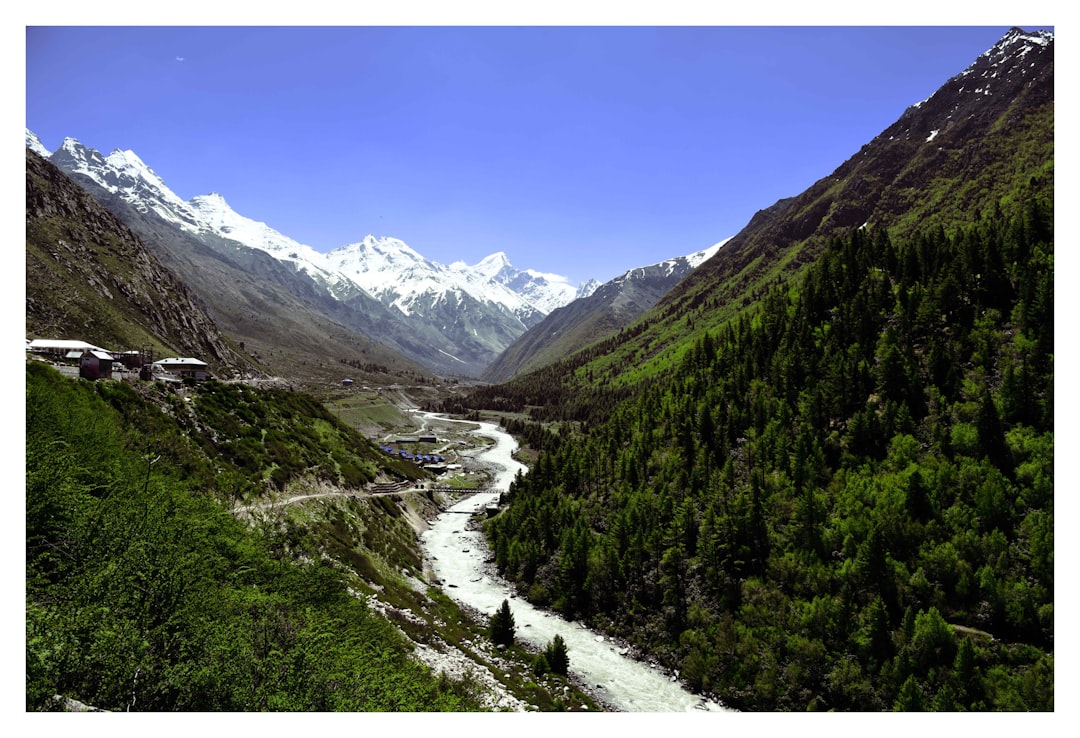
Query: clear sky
583	151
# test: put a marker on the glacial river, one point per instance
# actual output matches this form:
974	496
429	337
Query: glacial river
457	558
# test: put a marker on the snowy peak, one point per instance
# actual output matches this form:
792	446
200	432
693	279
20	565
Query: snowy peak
678	266
380	255
125	174
492	266
397	275
600	310
587	287
72	156
128	163
1015	55
388	267
34	144
215	214
545	292
1020	66
698	257
1017	42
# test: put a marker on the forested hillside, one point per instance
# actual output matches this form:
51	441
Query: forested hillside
841	499
144	592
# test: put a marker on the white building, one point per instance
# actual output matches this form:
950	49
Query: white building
184	367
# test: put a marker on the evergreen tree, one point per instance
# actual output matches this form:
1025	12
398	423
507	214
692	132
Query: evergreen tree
556	655
502	625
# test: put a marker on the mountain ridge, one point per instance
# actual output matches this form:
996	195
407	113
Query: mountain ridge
123	297
607	308
990	153
454	319
460	320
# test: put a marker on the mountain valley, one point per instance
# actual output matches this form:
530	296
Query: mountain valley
808	468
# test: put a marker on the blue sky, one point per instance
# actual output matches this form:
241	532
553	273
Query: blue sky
583	151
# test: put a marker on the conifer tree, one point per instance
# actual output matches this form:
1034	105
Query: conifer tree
502	625
556	655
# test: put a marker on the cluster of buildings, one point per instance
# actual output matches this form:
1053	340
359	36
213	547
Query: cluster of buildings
94	362
431	462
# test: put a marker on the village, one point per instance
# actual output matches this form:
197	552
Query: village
80	359
85	360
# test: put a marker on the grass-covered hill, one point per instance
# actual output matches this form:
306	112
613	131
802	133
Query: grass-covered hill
217	547
144	591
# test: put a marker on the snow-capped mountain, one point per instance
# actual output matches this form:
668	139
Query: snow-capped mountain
587	287
34	144
215	213
544	291
123	173
476	311
676	268
397	275
373	264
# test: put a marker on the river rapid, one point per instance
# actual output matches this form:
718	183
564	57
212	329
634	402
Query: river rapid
457	557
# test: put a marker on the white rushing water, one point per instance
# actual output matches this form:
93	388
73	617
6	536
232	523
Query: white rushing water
457	558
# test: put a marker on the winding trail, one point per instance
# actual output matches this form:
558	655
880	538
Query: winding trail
314	496
458	557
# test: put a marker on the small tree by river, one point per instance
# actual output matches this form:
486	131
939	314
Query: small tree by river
502	625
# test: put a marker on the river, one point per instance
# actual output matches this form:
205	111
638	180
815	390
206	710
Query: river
457	558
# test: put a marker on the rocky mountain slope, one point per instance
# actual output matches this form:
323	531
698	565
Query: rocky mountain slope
90	278
981	144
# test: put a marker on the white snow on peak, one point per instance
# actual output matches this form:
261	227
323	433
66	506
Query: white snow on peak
34	144
674	264
392	271
387	268
588	287
1020	36
698	257
128	162
125	174
490	266
933	135
214	212
1008	54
